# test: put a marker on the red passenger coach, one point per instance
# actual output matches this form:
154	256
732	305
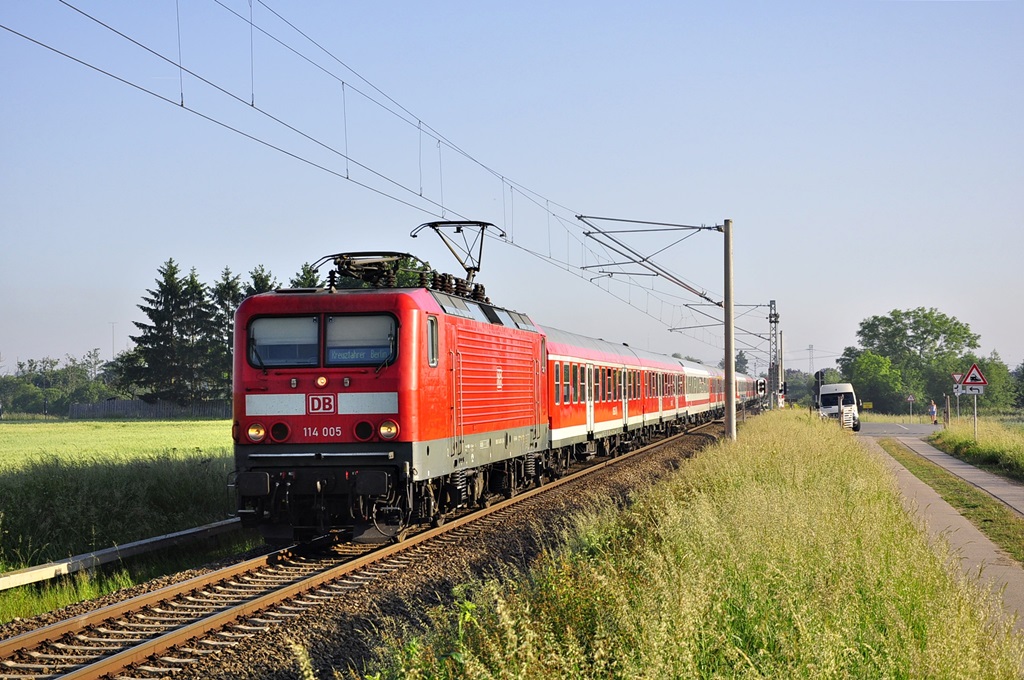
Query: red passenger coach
366	410
611	397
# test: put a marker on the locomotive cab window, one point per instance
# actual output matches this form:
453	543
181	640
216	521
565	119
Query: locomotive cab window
284	341
361	340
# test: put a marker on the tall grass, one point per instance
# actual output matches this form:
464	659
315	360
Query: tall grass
785	554
72	487
55	507
999	443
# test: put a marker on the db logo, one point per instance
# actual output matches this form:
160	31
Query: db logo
321	403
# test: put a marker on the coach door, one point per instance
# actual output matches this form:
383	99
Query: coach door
624	397
590	397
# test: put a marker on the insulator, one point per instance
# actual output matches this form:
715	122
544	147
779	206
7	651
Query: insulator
426	279
332	279
391	279
461	287
478	292
447	284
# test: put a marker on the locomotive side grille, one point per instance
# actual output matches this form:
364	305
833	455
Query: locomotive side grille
498	382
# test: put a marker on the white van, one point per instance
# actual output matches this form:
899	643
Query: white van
838	400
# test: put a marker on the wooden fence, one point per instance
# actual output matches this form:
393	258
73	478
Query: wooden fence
136	408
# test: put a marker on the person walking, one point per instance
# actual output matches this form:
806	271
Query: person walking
933	412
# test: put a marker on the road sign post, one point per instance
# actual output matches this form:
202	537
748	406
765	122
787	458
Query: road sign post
973	383
910	400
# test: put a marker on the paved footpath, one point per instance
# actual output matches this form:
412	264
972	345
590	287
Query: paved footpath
979	557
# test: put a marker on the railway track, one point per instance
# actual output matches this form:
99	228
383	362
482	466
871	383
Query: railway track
161	633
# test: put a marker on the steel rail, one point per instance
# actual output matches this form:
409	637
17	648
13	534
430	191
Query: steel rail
36	637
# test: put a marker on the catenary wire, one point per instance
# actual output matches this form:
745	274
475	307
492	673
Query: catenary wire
527	193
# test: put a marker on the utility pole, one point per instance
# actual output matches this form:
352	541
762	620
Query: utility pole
773	355
730	338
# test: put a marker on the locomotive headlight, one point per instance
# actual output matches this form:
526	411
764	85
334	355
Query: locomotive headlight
388	429
256	432
321	381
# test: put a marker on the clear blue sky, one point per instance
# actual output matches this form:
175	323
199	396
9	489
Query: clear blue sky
869	153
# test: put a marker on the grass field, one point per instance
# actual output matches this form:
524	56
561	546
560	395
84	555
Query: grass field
22	442
72	487
785	554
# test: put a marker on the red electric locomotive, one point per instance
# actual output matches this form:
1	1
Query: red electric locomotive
365	410
368	409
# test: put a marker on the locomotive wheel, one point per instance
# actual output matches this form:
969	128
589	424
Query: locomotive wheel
438	521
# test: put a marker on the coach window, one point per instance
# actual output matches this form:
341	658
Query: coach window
575	383
361	340
565	383
432	352
558	383
284	341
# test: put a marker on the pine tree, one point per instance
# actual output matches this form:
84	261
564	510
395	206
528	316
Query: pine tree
157	344
199	343
227	294
306	278
262	281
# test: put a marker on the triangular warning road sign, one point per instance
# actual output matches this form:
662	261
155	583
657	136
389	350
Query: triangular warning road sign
974	377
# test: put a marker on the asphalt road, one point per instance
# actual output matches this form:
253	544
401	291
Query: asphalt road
897	429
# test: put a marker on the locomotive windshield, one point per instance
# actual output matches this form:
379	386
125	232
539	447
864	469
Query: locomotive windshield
350	340
284	341
360	340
